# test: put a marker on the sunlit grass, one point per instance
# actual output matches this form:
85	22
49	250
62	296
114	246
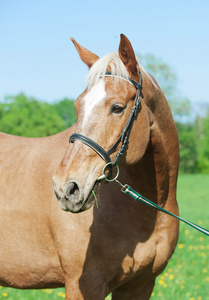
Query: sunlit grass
46	294
187	274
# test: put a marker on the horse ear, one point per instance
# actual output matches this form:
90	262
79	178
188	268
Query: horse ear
86	56
128	57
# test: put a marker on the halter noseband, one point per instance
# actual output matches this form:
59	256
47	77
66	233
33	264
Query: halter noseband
124	136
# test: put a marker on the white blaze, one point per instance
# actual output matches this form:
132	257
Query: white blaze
93	97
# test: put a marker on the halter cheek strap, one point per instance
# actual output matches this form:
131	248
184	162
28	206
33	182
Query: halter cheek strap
124	136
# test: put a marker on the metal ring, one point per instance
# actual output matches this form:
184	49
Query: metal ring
117	174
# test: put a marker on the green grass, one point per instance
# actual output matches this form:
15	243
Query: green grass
187	274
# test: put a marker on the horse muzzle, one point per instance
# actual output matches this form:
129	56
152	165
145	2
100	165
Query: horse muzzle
72	197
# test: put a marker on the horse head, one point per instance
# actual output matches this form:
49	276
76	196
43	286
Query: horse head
103	111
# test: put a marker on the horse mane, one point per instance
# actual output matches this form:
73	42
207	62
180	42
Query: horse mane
112	62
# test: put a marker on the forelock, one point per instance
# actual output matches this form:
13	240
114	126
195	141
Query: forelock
110	62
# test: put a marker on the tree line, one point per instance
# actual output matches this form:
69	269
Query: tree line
26	116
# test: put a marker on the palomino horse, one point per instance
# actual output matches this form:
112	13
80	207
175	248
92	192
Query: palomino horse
119	245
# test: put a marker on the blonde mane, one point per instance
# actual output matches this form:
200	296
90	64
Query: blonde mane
111	62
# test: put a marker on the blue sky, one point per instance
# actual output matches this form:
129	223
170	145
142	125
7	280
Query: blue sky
38	58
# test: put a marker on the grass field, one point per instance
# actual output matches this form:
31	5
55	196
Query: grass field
187	274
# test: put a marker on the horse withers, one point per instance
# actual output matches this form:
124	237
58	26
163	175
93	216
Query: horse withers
119	245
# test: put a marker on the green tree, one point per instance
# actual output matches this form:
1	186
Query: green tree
202	128
168	82
66	110
188	148
29	117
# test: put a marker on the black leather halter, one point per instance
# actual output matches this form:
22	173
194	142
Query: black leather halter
124	136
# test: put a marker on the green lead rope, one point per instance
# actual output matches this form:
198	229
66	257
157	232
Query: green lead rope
126	189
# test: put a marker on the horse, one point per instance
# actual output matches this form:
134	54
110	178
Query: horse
109	243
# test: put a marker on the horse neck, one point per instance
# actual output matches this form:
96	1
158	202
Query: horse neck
155	175
149	176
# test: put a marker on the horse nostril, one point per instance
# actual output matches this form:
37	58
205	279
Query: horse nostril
72	191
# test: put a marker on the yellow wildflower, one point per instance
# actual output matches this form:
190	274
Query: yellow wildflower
202	254
60	294
4	295
181	246
48	291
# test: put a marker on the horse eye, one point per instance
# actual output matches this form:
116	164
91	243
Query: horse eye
117	108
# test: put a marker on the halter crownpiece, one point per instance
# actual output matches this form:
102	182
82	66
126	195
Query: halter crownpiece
124	136
129	79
